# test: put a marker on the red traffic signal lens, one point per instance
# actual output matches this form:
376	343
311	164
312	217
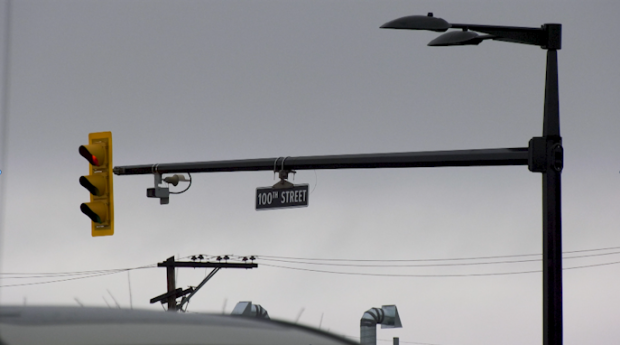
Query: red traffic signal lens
94	154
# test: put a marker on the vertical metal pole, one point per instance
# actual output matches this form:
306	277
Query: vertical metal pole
172	300
552	210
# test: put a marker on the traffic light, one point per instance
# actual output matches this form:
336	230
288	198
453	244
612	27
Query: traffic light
100	209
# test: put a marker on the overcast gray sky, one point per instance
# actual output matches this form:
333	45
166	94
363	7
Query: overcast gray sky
182	81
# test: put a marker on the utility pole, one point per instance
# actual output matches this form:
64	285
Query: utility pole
172	299
173	292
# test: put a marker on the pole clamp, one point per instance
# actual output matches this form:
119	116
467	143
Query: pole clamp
545	155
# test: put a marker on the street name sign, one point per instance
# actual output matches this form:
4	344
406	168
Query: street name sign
271	198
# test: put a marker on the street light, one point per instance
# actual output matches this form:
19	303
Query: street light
546	152
549	36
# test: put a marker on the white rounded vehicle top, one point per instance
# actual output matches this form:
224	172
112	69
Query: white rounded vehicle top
98	326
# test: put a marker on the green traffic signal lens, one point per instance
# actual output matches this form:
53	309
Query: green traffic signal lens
90	213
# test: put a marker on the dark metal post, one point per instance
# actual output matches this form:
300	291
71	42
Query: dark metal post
552	208
172	299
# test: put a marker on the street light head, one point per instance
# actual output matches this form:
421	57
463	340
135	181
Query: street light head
417	22
458	38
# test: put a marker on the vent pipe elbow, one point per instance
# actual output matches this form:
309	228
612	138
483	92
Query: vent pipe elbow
247	309
372	317
368	326
259	312
386	316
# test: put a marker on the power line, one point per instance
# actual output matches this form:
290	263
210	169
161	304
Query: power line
74	273
393	260
401	275
590	250
434	275
54	274
99	273
82	275
58	281
434	259
593	265
401	266
428	265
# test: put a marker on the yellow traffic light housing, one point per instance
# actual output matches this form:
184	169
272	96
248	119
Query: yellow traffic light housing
100	209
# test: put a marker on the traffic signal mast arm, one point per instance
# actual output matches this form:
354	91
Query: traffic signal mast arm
483	157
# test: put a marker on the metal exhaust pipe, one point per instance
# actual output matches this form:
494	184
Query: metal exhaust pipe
387	316
368	326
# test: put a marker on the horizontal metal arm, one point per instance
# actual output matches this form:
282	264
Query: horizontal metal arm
514	34
175	293
483	157
207	264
